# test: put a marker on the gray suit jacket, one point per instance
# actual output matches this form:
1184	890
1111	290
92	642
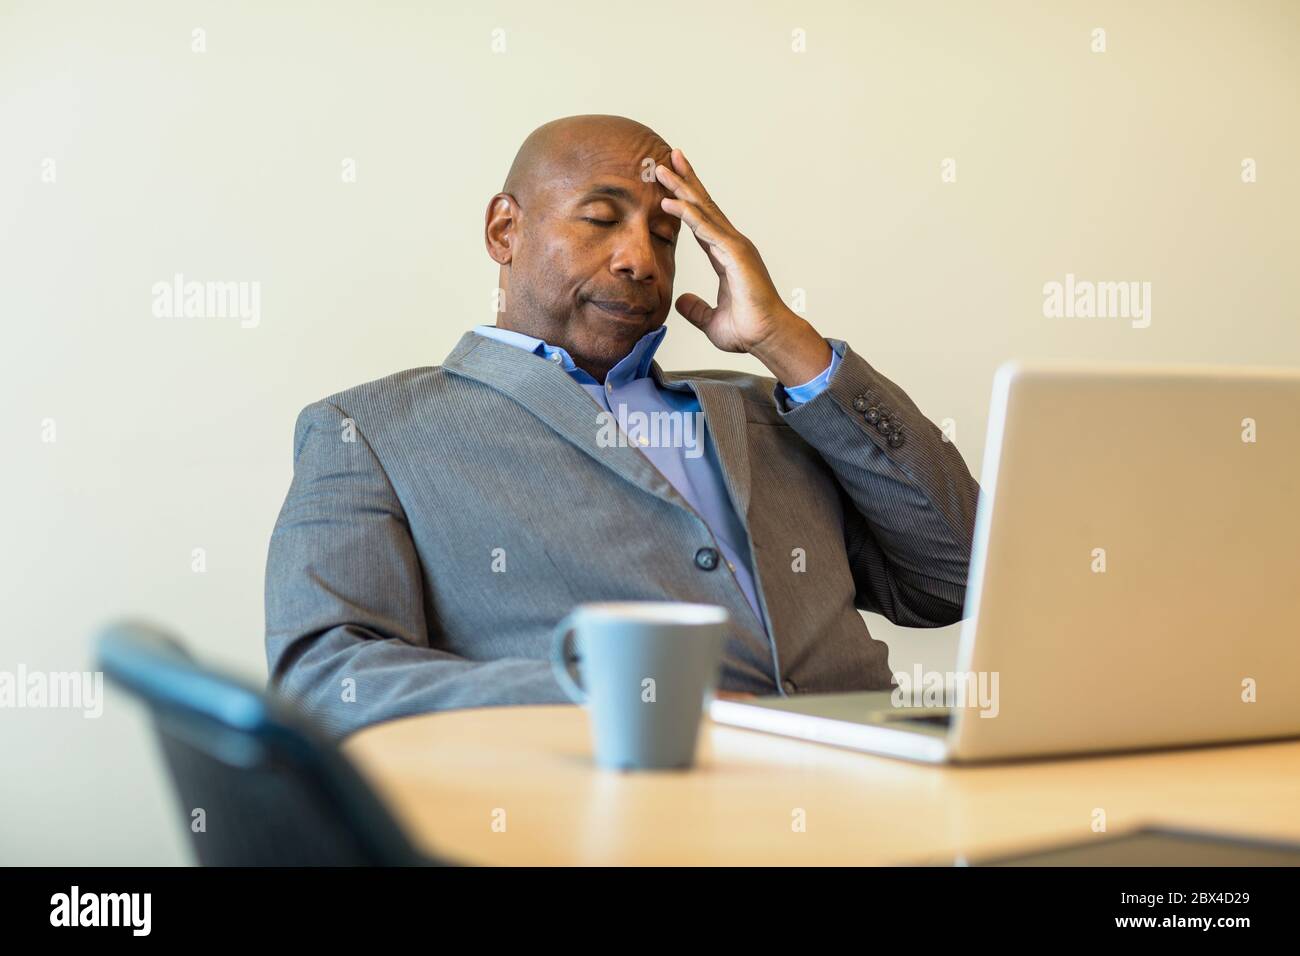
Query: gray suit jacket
381	595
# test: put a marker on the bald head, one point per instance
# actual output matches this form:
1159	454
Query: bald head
585	248
556	149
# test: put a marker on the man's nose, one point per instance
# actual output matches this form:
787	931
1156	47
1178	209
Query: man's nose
634	256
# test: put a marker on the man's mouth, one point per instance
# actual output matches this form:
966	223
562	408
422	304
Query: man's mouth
623	310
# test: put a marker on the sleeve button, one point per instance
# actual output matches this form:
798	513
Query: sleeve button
896	440
860	404
872	415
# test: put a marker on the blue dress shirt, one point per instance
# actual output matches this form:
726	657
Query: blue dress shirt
691	466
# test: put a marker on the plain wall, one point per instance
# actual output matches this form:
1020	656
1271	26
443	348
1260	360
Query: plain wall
175	434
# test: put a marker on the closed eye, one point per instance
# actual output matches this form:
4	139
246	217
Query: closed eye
666	240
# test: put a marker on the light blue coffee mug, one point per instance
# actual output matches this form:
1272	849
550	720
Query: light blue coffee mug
648	669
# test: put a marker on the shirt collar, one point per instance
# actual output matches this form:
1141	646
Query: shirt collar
633	366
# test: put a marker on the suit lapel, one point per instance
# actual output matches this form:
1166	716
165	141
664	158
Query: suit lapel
724	413
546	391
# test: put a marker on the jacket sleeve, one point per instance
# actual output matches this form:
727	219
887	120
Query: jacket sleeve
910	510
347	630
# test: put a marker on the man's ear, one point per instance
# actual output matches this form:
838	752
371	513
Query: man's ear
501	228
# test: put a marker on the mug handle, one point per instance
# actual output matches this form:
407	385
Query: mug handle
560	661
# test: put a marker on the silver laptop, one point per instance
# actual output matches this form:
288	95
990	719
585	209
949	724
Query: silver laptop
1135	581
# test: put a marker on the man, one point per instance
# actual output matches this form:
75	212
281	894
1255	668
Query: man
441	521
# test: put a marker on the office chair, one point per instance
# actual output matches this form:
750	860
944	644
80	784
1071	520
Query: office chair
273	792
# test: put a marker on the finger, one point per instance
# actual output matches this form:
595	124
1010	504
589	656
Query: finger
681	187
683	174
680	161
695	310
684	170
709	238
685	191
714	241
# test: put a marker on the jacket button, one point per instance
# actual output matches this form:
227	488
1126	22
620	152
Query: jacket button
886	427
789	686
860	404
872	415
896	440
706	558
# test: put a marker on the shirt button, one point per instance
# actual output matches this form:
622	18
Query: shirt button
789	686
730	566
557	358
642	440
609	388
706	558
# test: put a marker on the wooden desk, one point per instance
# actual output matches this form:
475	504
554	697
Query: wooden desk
445	775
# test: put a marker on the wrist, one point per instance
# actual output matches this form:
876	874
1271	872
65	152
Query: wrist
793	351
